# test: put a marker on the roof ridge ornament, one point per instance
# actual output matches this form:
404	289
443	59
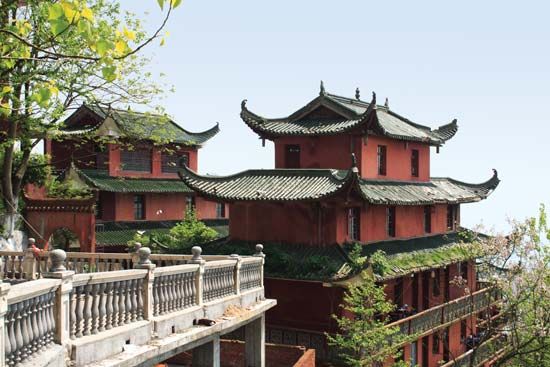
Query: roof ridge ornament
373	101
322	91
243	104
387	103
357	94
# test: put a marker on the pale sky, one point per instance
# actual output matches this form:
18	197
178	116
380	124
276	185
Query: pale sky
486	63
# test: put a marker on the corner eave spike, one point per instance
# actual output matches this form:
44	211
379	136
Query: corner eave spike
243	104
373	101
387	103
357	94
322	89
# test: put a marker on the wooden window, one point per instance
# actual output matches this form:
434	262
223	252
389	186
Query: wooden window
292	156
220	210
436	342
136	160
428	219
171	163
382	160
354	224
452	217
398	292
101	156
139	207
436	285
414	162
390	221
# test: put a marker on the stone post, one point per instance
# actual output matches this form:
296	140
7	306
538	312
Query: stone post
260	253
62	310
144	262
237	273
208	354
29	264
197	259
135	253
4	289
254	333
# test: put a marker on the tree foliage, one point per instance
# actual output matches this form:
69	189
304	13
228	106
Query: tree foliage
518	265
55	55
364	339
184	235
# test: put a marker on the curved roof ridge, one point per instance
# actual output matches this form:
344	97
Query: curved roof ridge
491	183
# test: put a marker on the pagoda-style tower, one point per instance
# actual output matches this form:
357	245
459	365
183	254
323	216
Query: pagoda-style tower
349	171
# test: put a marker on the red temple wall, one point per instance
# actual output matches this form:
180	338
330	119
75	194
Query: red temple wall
335	152
206	209
63	152
82	224
398	159
299	222
332	151
302	304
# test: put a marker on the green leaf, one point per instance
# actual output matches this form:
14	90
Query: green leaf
176	3
58	25
161	4
55	11
103	46
109	73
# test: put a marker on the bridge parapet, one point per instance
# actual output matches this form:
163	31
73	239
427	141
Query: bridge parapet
94	315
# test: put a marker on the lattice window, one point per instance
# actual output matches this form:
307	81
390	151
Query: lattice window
171	163
136	160
414	163
139	207
220	210
382	159
354	224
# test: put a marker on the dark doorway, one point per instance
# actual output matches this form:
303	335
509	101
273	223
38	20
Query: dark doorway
415	292
292	156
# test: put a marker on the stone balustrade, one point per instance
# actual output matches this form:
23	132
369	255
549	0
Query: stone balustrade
66	308
442	315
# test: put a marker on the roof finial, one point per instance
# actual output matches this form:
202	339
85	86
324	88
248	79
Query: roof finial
373	101
243	104
322	90
387	103
357	94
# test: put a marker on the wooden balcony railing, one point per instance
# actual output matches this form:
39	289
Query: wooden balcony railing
63	307
477	357
445	314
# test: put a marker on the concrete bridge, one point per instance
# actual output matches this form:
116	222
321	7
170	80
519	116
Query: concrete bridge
89	309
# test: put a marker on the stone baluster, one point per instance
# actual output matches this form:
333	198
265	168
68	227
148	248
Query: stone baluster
115	303
128	299
29	266
146	288
57	314
6	327
197	259
42	322
260	253
139	294
121	303
95	309
102	311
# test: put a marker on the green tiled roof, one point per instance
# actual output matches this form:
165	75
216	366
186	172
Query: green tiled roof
137	125
119	233
355	114
101	180
332	262
316	184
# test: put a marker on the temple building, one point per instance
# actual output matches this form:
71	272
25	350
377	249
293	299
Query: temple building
129	161
350	172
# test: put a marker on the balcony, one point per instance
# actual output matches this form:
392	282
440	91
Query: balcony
128	309
477	357
439	317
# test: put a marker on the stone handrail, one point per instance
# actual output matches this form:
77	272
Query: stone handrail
64	307
27	265
444	314
28	316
